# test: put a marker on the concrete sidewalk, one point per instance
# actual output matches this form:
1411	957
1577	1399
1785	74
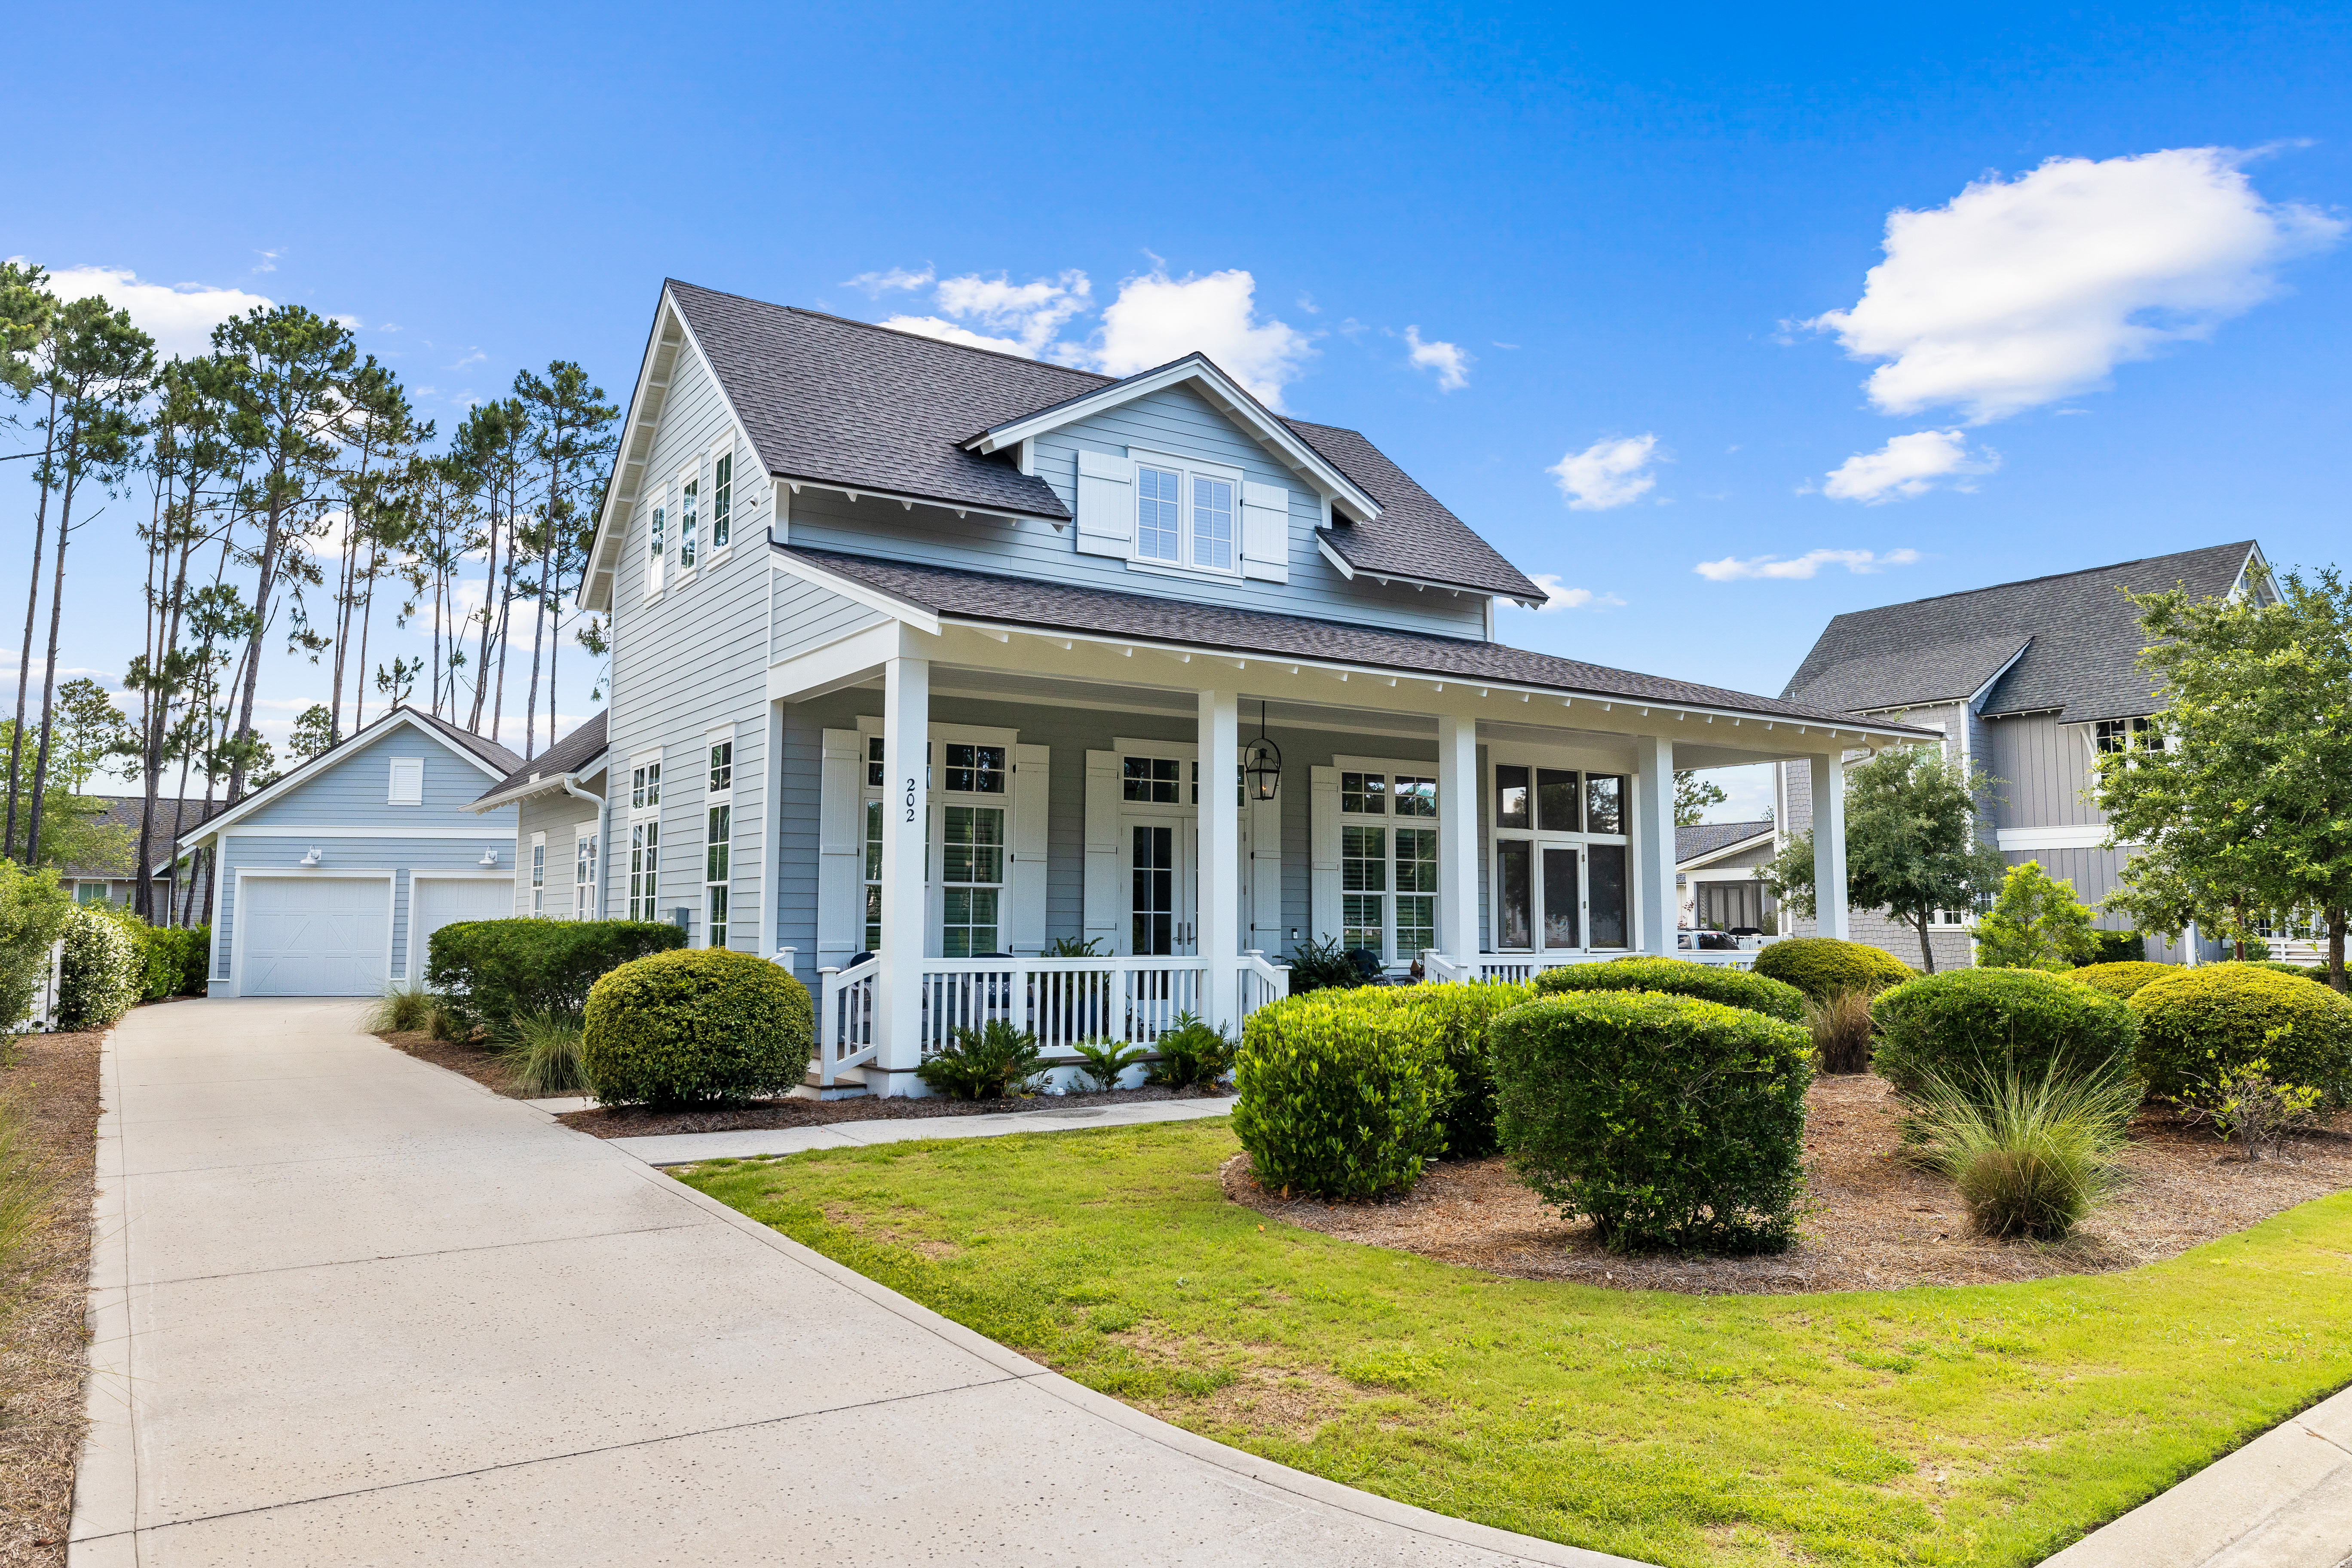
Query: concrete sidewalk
351	1308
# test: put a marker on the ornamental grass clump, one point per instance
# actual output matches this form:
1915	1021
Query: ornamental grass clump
401	1010
1841	1032
542	1053
2032	1157
2219	1018
1341	1099
1822	966
1680	977
1676	1124
693	1027
1979	1027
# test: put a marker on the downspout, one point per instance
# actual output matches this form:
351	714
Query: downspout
603	832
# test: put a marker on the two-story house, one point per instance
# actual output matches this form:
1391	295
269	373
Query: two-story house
2027	681
975	687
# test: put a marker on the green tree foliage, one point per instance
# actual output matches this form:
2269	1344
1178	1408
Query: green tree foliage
314	732
2247	805
1692	795
92	734
33	912
1911	843
2036	922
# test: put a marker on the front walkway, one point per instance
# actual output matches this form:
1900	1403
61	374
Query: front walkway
352	1309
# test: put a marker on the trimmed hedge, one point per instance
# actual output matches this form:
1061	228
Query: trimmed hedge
2118	947
2280	966
1342	1098
173	961
693	1027
1973	1027
100	975
2120	979
2218	1017
489	971
1680	977
1822	966
1673	1123
32	914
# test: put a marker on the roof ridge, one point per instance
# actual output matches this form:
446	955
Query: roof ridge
894	331
2047	577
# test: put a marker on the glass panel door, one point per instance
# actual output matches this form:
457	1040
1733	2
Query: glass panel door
1561	897
1514	867
1607	895
1152	873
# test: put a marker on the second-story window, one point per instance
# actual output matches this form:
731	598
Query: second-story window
722	766
1159	509
2114	735
1187	515
686	520
1212	524
653	565
723	497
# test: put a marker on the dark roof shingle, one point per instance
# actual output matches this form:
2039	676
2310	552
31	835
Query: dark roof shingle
121	811
986	596
2082	641
1706	837
584	744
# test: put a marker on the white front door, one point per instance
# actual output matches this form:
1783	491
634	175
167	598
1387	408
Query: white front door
436	901
316	936
1160	853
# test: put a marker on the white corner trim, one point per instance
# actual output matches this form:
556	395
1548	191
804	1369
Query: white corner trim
1339	562
2089	836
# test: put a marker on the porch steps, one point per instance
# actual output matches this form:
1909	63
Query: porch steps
847	1084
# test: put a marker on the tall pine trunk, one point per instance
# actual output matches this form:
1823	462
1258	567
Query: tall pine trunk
249	683
31	616
50	677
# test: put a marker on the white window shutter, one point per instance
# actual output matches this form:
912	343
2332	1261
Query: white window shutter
1323	859
1104	907
1265	532
1265	877
841	848
1025	877
1106	504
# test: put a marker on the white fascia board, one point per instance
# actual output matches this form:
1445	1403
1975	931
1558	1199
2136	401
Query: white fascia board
620	494
1348	570
1976	700
917	615
2080	836
1339	562
1736	846
332	831
319	764
546	784
1221	389
848	660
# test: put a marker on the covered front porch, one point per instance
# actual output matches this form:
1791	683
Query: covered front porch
1055	861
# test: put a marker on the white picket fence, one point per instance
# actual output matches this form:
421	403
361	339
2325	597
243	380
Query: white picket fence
43	1016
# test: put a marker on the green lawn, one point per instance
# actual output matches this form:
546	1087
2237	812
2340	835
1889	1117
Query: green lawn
1991	1424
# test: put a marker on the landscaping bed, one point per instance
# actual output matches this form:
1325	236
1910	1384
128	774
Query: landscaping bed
641	1121
53	1082
1985	1424
477	1062
1873	1221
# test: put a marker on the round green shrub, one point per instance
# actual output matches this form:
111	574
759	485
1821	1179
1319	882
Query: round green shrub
1973	1028
102	970
1822	966
1340	1096
2119	980
2200	1022
1673	1123
694	1025
2280	966
1461	1013
1680	977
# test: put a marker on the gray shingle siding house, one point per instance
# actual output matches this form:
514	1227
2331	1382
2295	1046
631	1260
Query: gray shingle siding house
2027	681
927	660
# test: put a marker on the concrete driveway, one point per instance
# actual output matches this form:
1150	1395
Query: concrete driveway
352	1308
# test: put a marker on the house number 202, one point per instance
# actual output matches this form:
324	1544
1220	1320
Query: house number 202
910	800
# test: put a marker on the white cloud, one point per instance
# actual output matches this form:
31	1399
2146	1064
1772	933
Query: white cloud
875	283
1557	598
995	313
1449	360
269	262
1909	466
1613	471
2018	292
1860	562
1157	318
180	317
471	356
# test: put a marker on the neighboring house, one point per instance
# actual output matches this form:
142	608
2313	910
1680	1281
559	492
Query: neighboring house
2028	682
829	549
329	881
560	826
111	877
1714	869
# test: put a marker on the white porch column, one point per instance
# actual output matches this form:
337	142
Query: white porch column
898	999
1653	841
1219	884
1829	845
1457	837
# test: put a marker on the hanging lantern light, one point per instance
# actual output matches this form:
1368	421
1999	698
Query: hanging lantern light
1262	762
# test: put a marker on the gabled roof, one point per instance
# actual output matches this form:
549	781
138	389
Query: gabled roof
984	597
568	758
488	755
121	811
830	401
2074	638
1700	840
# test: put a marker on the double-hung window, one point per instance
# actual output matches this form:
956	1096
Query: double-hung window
660	520
1388	862
1187	514
645	838
972	848
690	486
719	838
722	496
583	876
2115	735
539	874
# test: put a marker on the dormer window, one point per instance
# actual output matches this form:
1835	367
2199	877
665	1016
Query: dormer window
1186	513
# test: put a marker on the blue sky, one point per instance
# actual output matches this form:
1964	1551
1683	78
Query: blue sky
1540	255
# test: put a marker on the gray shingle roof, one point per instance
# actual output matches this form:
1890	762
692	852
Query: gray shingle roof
1706	838
986	596
584	744
850	403
121	811
489	751
2082	641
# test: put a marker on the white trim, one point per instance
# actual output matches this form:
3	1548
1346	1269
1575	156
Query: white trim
543	783
1348	569
2081	836
332	757
355	831
235	980
891	604
414	967
1231	399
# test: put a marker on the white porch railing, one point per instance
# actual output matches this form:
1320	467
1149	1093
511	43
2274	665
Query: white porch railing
1061	1000
1522	966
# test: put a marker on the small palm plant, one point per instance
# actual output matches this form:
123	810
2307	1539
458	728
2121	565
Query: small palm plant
2032	1158
1105	1060
987	1063
542	1053
1192	1054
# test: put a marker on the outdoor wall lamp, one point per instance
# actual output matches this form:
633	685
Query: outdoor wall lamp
313	857
1262	762
490	857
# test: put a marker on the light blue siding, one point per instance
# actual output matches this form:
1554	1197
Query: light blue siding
1177	421
560	816
803	616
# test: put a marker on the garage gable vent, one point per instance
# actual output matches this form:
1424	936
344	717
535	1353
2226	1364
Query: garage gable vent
407	782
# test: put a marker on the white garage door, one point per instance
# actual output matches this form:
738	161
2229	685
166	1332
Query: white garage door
316	936
435	901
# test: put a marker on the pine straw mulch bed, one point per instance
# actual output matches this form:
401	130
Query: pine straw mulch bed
759	1115
53	1080
479	1062
1875	1222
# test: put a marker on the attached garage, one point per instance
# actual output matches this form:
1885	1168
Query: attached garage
436	901
316	936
